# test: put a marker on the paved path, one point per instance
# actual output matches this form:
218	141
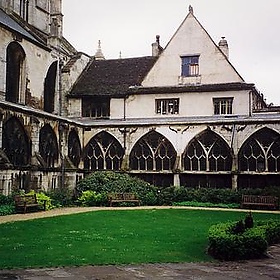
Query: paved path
264	269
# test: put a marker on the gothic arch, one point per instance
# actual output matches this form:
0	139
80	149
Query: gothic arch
207	152
48	146
152	152
16	143
49	88
74	148
15	58
103	152
260	152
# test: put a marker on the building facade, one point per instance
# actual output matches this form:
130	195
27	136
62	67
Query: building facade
182	116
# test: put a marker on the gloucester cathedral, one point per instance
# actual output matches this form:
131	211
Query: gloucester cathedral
182	116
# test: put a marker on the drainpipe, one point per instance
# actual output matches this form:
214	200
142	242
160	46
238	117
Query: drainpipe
250	103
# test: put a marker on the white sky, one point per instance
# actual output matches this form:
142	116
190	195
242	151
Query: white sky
251	27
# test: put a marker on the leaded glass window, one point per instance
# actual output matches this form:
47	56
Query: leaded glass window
103	152
48	146
152	152
261	152
207	152
74	148
16	144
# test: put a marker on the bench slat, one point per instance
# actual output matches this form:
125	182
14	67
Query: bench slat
259	200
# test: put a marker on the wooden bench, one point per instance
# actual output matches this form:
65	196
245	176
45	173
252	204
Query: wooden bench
259	200
26	201
122	197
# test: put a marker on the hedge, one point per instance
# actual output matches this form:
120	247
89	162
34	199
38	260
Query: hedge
226	245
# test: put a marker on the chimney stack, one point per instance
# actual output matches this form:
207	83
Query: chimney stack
156	48
223	45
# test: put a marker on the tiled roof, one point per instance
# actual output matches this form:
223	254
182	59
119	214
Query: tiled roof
112	77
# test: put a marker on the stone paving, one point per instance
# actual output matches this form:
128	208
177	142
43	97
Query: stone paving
263	269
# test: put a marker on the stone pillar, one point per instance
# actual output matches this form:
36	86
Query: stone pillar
176	180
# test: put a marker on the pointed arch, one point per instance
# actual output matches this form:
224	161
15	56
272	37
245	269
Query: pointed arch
74	147
49	88
103	152
260	152
152	152
207	152
16	143
48	146
15	58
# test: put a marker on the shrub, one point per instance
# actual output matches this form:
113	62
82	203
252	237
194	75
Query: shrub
7	209
7	206
104	182
91	198
42	199
62	197
226	244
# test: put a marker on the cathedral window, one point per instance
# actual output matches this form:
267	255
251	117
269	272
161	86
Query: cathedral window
103	152
222	106
96	107
24	9
16	144
15	82
152	152
207	152
49	88
48	146
261	152
190	66
74	148
167	106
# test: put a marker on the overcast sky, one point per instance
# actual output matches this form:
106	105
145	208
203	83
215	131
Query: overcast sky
251	27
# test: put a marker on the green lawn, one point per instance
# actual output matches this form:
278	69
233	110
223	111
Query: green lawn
112	237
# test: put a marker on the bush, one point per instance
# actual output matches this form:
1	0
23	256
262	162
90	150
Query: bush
91	198
104	182
7	205
61	197
226	244
42	199
173	194
7	209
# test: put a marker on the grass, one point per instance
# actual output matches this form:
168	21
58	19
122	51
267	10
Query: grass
112	237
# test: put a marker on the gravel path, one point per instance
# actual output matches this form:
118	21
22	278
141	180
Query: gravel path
74	210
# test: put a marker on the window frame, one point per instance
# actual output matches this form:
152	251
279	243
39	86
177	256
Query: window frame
190	65
223	106
167	106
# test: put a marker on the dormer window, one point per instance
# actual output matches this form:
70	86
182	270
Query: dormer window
190	66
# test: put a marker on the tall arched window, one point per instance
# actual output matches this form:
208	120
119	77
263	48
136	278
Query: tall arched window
207	152
48	146
14	73
49	88
16	144
74	148
152	152
103	152
261	152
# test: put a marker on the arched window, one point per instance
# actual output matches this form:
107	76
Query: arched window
207	152
261	152
49	88
103	152
152	152
74	148
16	144
14	73
48	146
